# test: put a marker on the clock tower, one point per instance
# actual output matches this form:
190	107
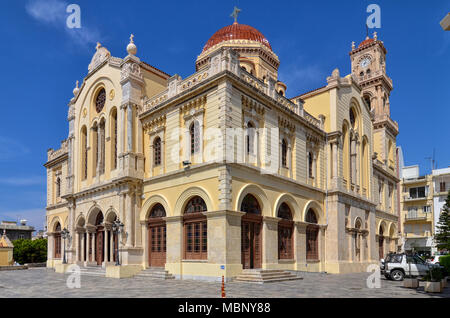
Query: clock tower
369	68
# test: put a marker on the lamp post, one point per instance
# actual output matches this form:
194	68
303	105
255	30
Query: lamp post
65	235
117	228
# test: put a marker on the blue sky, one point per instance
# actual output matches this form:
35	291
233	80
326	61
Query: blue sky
42	59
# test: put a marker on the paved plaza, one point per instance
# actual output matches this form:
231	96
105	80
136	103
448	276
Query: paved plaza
46	283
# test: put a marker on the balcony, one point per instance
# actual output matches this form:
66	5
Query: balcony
418	235
418	216
407	198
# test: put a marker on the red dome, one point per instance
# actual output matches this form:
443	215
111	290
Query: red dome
236	31
366	42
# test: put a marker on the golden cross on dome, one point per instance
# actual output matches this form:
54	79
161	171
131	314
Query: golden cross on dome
235	13
131	38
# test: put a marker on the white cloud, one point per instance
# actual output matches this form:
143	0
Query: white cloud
10	149
23	181
53	13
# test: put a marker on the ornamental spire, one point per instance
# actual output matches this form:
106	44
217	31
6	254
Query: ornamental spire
131	48
235	14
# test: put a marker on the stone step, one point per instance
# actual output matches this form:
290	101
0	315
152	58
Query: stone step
157	273
260	276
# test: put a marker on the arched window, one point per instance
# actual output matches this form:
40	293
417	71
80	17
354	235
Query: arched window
194	134
157	151
102	147
158	211
368	71
114	139
250	138
58	187
310	164
195	229
100	100
285	232
356	239
312	237
367	100
95	149
352	117
250	205
99	219
84	153
57	241
284	153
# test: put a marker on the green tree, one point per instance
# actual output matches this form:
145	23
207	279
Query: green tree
442	236
28	251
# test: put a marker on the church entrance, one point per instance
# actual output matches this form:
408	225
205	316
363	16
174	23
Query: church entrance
99	240
251	228
157	237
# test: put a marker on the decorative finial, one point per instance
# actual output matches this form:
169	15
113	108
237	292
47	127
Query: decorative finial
235	14
76	90
375	35
98	46
131	48
353	45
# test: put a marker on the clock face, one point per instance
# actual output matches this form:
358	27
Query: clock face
365	62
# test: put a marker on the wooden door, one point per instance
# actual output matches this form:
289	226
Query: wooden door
381	247
251	244
57	245
157	244
99	248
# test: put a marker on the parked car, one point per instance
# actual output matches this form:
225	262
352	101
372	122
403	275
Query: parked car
398	266
435	259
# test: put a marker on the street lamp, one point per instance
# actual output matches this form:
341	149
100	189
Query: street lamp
64	235
117	228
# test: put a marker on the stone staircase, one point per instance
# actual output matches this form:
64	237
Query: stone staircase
155	273
93	271
261	276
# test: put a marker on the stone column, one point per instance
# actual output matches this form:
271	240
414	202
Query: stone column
50	246
300	245
129	218
111	246
121	135
99	151
269	242
82	252
174	253
130	128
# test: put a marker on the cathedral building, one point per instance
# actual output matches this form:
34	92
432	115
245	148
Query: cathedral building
220	172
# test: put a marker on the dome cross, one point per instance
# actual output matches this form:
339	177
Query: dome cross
235	13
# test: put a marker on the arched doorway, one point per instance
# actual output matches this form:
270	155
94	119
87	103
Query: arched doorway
381	243
285	232
57	241
251	233
157	237
99	239
312	236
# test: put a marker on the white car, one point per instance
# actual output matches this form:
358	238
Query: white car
435	259
398	266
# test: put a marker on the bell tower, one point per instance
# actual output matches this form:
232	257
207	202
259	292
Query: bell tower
369	68
368	62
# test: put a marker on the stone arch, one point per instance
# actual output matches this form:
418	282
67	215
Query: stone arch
80	222
315	206
111	214
381	225
358	221
392	231
291	202
190	193
150	203
55	220
92	214
259	194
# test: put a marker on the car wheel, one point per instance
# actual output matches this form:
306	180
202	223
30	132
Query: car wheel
397	275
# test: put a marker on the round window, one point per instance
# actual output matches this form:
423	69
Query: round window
100	100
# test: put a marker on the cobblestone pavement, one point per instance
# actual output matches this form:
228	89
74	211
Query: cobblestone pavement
46	283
